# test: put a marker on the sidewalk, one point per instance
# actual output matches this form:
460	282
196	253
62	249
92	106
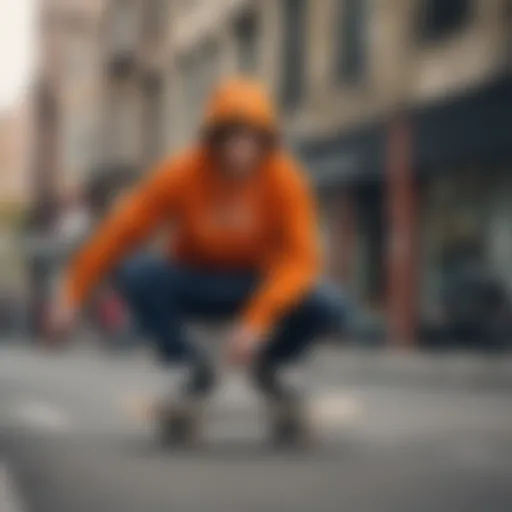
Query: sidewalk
342	365
391	367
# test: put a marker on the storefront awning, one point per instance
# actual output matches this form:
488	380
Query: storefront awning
470	129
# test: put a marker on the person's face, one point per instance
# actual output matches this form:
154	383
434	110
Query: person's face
241	151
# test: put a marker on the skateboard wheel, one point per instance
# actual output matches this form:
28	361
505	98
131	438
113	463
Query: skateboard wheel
178	425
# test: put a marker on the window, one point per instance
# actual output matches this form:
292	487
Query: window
79	140
351	39
122	124
294	16
153	122
191	92
183	5
199	71
123	34
155	19
80	60
246	35
209	63
68	20
441	18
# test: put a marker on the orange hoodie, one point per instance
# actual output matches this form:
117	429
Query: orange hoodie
265	223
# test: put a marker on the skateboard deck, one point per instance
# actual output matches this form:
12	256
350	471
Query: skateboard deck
324	413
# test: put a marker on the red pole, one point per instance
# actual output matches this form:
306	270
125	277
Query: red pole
342	236
346	236
402	237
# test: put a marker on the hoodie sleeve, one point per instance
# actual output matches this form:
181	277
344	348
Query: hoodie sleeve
133	221
295	266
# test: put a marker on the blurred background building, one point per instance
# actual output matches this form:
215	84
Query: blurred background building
400	109
14	166
14	129
134	42
65	99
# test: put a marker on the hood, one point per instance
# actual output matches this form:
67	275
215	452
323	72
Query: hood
241	100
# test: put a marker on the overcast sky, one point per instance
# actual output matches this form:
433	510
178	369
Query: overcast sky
16	48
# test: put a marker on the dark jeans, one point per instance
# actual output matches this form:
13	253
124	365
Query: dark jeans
162	296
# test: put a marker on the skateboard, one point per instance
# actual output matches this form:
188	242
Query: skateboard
183	424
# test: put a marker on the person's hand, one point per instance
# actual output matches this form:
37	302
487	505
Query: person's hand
61	322
242	345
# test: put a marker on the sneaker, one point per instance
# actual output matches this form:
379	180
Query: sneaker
179	409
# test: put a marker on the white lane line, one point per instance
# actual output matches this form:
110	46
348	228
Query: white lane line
41	416
9	496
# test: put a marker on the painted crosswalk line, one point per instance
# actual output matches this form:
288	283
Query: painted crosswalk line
41	416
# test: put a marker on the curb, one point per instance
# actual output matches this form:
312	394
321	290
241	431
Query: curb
417	369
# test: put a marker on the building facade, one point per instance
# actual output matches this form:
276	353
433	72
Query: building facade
407	133
134	40
401	110
68	85
208	41
15	150
80	93
64	112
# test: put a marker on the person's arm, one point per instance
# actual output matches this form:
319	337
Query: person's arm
296	263
130	224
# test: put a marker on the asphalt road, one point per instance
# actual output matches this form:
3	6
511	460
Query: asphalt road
74	437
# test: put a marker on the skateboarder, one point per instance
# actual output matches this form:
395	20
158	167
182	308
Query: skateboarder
243	242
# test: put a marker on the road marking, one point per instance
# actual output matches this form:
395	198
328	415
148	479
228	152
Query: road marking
335	410
42	416
9	496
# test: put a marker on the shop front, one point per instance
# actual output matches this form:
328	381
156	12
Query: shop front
463	158
349	174
399	198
